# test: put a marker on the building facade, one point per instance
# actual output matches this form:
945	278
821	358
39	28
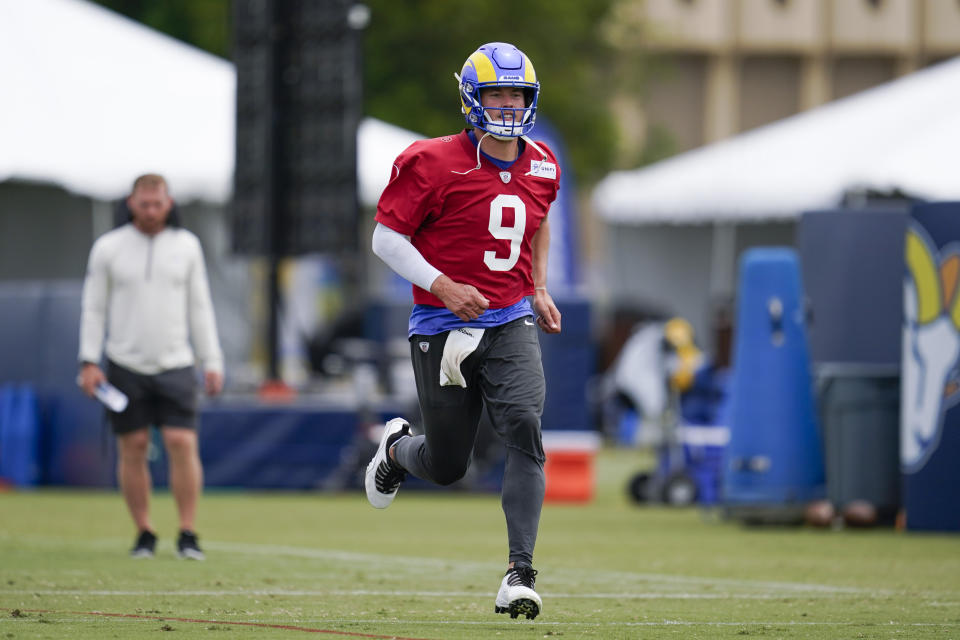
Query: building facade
720	67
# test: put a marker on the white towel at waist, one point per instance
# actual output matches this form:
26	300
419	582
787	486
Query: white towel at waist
460	344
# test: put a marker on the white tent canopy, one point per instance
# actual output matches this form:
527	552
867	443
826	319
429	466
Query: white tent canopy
92	99
903	135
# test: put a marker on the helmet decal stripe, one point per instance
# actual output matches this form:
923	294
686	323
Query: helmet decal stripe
483	66
529	74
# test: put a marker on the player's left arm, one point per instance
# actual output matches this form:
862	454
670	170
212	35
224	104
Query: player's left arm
548	316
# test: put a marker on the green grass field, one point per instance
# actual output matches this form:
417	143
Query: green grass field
283	565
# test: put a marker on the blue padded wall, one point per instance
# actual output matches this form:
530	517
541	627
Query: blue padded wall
264	447
568	363
244	444
19	436
39	337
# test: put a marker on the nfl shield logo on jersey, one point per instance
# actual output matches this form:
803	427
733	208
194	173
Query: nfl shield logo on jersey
505	176
424	346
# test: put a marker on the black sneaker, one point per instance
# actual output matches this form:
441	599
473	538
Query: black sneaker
383	476
144	546
188	547
516	595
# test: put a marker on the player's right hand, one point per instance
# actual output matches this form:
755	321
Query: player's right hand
462	299
90	376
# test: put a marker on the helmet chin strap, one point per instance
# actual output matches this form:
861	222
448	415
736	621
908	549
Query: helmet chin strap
487	133
463	173
534	145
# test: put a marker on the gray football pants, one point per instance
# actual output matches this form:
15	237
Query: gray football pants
505	375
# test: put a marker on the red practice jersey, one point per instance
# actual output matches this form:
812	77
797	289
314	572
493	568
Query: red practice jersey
475	226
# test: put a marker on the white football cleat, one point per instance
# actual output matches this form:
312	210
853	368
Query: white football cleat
383	477
516	595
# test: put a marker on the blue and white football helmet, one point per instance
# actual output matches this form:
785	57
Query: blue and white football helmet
498	64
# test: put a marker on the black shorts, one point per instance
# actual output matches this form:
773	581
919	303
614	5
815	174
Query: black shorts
167	399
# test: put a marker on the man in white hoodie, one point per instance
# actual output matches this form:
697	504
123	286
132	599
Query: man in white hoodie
146	292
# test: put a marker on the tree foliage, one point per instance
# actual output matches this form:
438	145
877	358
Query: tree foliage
412	48
202	23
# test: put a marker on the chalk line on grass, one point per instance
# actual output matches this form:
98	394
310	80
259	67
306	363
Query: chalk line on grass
363	593
892	624
664	585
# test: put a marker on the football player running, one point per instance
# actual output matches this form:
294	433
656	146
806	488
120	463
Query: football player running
464	219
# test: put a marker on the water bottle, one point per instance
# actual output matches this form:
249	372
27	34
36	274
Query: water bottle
109	395
113	398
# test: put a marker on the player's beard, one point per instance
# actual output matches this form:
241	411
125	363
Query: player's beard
150	225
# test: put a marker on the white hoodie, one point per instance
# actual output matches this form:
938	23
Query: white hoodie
150	295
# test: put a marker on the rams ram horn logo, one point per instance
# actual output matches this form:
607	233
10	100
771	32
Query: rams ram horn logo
931	345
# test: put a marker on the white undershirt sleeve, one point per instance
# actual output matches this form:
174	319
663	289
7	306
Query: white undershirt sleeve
396	250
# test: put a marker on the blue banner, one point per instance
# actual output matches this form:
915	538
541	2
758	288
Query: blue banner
930	387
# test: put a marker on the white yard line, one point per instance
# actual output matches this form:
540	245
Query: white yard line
557	574
313	593
649	585
634	623
424	623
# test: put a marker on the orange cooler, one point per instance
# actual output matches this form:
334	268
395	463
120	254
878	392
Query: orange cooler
569	466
